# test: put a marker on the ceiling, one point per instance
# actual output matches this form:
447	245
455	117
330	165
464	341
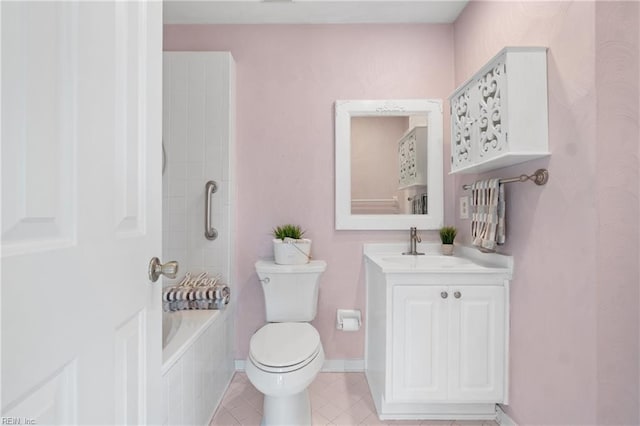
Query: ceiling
311	11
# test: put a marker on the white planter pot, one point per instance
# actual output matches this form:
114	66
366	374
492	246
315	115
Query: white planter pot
292	252
447	249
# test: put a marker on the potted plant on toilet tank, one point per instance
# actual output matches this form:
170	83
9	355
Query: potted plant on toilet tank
289	248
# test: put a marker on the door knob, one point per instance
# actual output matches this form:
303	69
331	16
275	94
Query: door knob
169	269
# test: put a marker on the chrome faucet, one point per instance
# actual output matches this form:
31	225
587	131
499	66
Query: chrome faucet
413	240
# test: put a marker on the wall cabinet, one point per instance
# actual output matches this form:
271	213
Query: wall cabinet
499	116
412	158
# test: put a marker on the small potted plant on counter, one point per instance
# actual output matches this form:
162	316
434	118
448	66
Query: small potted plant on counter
447	235
289	248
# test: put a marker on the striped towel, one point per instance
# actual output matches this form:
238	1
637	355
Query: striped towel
185	305
182	297
488	213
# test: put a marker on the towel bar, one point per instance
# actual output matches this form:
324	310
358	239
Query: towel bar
539	177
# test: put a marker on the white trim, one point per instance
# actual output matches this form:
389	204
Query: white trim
343	365
330	365
338	12
502	418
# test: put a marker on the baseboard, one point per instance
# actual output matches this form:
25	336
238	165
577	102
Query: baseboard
343	365
330	365
503	419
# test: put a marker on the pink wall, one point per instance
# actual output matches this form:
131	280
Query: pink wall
617	55
288	77
574	300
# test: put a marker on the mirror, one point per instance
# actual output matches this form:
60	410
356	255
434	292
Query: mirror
389	164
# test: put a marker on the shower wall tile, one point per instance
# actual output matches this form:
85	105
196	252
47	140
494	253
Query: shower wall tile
195	170
198	135
176	206
195	192
178	128
176	223
177	169
211	255
177	187
176	240
195	148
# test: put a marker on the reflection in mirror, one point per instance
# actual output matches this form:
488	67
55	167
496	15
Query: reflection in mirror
389	164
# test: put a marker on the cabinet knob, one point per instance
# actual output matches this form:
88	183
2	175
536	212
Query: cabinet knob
444	294
457	295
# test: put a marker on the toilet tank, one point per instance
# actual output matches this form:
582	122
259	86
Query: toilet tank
290	291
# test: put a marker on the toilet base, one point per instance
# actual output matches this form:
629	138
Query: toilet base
294	410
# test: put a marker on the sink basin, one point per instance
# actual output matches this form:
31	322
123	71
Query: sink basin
429	261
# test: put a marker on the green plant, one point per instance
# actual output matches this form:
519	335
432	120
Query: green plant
448	234
288	231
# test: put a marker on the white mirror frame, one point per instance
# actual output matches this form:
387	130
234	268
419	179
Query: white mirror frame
368	108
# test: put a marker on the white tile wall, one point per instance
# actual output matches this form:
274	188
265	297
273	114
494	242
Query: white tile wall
199	140
198	134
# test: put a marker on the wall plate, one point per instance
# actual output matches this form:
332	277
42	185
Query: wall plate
464	207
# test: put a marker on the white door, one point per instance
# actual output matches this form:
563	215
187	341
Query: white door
419	344
476	343
81	203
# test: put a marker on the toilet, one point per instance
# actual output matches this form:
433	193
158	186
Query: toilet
286	354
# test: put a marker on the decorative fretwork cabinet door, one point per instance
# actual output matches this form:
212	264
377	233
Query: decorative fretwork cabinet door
489	105
462	119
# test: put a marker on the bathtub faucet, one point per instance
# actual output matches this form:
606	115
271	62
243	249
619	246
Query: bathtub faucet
413	240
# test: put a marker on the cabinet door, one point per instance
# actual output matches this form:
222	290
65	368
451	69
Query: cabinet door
406	161
479	118
490	104
419	344
462	118
476	343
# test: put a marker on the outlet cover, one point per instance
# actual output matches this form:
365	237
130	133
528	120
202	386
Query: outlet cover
464	207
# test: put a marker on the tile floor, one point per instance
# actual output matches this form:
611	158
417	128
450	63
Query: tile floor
341	399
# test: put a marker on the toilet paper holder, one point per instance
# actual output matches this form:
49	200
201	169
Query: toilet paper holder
348	319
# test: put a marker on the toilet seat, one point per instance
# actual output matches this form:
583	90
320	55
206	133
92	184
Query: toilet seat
284	347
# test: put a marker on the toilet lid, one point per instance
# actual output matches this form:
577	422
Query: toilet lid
284	344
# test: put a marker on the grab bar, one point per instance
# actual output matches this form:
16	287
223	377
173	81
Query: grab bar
210	232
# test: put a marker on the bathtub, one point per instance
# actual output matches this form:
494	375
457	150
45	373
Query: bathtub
197	364
180	330
170	324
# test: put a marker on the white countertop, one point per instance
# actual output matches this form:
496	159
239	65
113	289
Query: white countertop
389	257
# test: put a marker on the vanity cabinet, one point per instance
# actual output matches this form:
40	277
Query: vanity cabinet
437	333
447	343
499	116
412	158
